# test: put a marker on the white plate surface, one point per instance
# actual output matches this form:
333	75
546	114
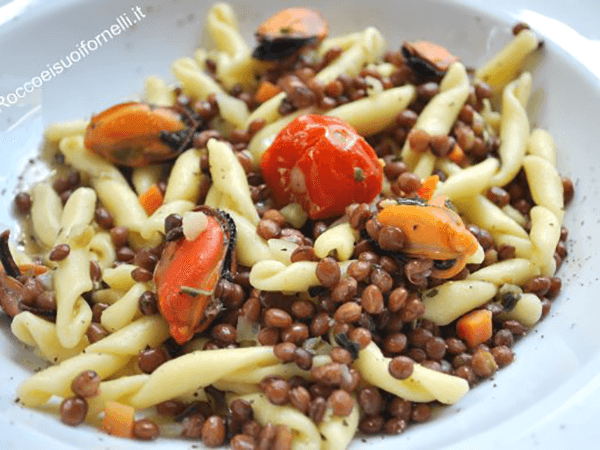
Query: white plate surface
549	397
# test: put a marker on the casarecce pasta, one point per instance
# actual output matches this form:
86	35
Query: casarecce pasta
199	280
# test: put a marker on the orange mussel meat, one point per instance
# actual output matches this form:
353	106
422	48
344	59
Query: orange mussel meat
434	231
289	30
137	134
187	274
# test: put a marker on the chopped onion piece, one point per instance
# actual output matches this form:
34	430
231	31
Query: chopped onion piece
193	223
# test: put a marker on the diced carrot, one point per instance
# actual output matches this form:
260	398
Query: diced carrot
266	90
151	199
32	270
118	419
457	154
428	187
475	327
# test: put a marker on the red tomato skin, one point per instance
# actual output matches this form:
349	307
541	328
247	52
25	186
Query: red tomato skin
323	164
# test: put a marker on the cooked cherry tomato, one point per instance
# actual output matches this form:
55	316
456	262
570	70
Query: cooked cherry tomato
323	164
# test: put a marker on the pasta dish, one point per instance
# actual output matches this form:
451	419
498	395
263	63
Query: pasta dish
297	242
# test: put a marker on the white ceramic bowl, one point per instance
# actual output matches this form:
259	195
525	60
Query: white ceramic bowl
548	397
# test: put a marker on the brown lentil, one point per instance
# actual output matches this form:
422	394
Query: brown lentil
329	374
370	400
297	333
243	442
515	327
391	238
146	430
32	288
406	118
341	402
372	300
441	145
345	290
421	412
503	355
120	236
393	169
435	347
192	426
96	332
341	355
427	91
316	409
303	359
268	229
419	140
150	359
359	215
400	408
538	285
394	425
328	272
303	309
419	336
395	343
86	384
506	251
202	138
483	364
371	424
303	253
267	437
348	313
23	202
64	196
46	300
401	367
555	286
409	182
95	271
359	270
224	333
125	254
252	429
299	397
213	431
397	299
141	275
498	196
73	410
466	114
413	309
277	318
320	390
170	408
285	351
465	138
283	440
59	252
268	336
464	372
382	280
147	303
455	346
277	391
